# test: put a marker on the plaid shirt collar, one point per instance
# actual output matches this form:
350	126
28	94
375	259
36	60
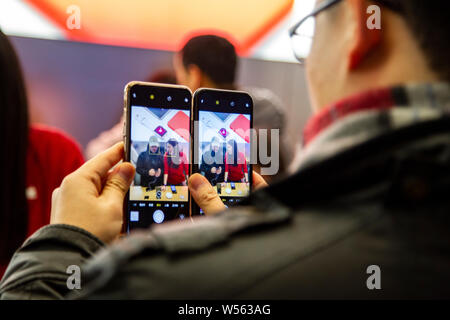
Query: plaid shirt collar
359	118
377	99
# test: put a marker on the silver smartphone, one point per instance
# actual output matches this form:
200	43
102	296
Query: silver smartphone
157	138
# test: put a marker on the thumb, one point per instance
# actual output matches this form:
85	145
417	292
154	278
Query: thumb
258	181
205	195
118	181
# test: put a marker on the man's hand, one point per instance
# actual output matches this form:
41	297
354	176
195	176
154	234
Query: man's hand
151	172
92	197
206	196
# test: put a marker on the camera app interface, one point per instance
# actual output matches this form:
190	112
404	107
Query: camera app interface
224	153
159	149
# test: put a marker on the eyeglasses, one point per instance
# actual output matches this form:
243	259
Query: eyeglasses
302	33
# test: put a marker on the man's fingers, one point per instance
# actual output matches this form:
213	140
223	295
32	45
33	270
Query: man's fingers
100	164
54	199
205	195
258	181
118	182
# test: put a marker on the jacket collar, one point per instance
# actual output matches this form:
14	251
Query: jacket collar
378	99
368	147
362	117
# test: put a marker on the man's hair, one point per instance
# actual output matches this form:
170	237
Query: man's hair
430	25
163	76
214	55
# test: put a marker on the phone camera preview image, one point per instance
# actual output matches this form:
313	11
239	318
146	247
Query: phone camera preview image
159	150
224	153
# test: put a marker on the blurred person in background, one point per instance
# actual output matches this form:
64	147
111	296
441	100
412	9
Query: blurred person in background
211	61
111	136
34	162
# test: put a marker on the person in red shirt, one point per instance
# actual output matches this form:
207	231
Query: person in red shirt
176	167
34	162
235	164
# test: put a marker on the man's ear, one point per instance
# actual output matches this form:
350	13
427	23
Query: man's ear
195	76
364	40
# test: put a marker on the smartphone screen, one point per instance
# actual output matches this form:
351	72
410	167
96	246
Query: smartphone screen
157	143
222	123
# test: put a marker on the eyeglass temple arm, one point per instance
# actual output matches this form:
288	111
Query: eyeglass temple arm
323	6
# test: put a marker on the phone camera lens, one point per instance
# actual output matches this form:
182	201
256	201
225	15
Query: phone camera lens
169	98
134	95
247	105
201	101
186	100
232	103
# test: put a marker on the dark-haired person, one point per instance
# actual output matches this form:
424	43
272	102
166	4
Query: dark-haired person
176	166
34	161
206	61
365	216
211	61
213	165
236	169
111	136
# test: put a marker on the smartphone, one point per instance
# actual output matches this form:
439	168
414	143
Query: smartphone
174	189
221	124
158	143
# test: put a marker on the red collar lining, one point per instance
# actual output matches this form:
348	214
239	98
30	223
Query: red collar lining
371	100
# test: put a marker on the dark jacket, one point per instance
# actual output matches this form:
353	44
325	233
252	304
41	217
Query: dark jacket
212	159
147	161
382	201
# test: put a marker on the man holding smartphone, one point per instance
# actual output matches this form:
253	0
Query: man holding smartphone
371	191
